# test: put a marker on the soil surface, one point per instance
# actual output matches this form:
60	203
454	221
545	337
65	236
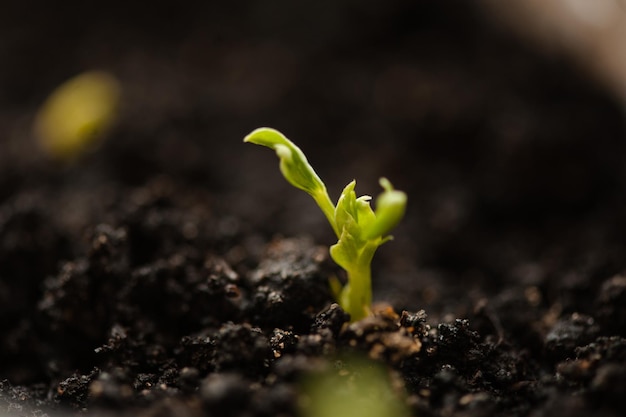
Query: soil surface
172	270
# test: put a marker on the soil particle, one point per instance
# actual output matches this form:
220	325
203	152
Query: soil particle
74	390
568	333
329	322
20	400
290	286
196	351
415	323
450	338
382	337
581	370
240	347
283	342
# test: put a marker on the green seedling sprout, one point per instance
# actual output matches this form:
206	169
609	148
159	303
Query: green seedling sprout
359	229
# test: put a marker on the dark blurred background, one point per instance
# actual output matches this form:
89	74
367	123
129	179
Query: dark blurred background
512	153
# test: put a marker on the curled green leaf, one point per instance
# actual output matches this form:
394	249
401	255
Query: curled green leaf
295	168
293	164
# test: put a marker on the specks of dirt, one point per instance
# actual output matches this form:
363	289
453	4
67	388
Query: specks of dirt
290	285
241	347
382	337
611	305
568	333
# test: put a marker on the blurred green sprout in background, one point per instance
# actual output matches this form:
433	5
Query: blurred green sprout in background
77	114
361	389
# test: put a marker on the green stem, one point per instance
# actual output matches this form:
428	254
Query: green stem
328	208
357	294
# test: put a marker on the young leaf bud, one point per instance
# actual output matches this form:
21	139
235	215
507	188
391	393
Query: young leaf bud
390	207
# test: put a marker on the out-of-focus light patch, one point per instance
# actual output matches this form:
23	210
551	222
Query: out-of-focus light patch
598	13
77	114
593	31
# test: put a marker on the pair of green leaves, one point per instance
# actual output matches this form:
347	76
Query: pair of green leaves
359	229
360	225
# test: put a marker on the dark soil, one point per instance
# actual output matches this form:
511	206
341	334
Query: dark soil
172	271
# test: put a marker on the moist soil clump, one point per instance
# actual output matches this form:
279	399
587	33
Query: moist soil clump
172	271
